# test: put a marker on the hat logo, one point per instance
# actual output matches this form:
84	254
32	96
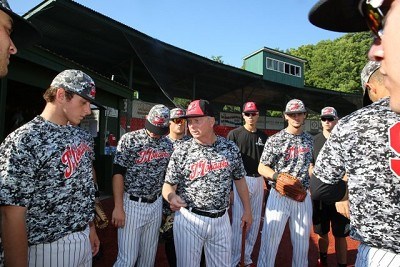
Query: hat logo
294	106
328	111
158	121
93	91
192	107
179	112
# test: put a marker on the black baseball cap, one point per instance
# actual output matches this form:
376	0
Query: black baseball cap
199	108
24	32
338	15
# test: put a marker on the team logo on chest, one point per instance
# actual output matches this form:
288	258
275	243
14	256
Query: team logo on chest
294	151
151	154
202	167
72	156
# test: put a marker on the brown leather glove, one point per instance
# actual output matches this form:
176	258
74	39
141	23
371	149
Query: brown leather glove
289	186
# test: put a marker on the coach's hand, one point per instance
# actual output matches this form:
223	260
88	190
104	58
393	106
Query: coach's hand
176	202
118	217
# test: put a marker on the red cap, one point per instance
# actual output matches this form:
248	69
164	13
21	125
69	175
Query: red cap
250	107
199	108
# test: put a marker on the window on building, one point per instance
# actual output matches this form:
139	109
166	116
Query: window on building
283	67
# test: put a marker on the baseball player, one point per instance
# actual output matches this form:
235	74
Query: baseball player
251	143
139	169
198	184
288	151
364	144
372	83
177	128
47	190
23	33
326	214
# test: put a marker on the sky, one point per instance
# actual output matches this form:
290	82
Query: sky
231	29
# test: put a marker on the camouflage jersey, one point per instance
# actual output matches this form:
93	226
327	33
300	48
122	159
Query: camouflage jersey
290	153
166	208
366	146
47	168
145	160
203	174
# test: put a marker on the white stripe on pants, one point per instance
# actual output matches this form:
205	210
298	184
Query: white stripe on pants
192	232
138	239
71	250
256	192
369	256
277	212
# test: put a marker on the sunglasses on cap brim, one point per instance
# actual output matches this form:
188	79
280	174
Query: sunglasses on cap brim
374	12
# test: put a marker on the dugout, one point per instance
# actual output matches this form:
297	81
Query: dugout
126	65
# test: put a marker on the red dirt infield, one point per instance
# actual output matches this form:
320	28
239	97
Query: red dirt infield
108	239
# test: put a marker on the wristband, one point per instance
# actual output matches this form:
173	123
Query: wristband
275	176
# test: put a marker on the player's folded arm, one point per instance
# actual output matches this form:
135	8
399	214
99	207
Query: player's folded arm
328	193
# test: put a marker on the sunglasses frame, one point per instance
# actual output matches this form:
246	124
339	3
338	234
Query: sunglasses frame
328	119
248	114
178	120
374	15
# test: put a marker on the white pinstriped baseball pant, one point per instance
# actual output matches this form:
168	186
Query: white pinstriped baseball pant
192	232
138	239
278	211
369	256
256	192
70	251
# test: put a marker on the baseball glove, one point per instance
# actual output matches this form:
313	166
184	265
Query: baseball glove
289	186
100	218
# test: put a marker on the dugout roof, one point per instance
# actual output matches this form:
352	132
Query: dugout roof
160	71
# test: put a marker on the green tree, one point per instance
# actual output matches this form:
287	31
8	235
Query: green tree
217	59
335	64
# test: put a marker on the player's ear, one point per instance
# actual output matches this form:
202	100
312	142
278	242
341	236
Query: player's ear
60	94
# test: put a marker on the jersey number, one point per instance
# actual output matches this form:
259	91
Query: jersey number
394	141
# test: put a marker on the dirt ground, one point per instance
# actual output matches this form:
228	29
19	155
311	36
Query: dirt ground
108	238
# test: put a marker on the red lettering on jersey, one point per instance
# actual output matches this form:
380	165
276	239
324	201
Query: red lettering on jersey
150	154
202	167
394	142
72	156
294	151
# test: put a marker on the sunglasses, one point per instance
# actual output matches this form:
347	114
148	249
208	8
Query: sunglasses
178	121
327	119
374	12
247	114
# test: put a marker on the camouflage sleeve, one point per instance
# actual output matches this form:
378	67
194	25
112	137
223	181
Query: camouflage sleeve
268	156
171	176
17	170
123	154
330	163
238	170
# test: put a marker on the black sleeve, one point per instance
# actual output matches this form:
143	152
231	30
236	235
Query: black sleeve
328	193
118	169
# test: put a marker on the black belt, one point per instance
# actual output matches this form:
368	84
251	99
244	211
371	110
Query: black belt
144	199
253	175
79	228
208	214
